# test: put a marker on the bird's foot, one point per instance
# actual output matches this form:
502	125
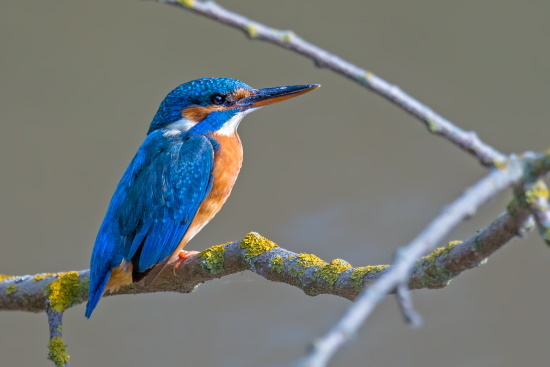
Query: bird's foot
182	257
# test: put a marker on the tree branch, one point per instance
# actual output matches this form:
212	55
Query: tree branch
57	348
308	272
54	293
404	300
437	124
453	214
255	253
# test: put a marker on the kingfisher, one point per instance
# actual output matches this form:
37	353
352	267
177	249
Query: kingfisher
178	180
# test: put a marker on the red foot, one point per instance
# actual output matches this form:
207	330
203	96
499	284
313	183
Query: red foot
182	257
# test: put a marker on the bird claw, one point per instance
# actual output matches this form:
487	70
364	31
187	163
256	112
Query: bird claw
182	257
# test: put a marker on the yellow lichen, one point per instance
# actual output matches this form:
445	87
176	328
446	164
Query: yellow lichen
432	126
4	277
12	288
359	273
44	276
501	165
286	36
187	3
305	262
65	290
435	275
58	352
539	190
252	30
440	252
213	258
277	264
254	245
332	271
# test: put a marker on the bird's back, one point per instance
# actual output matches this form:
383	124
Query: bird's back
152	209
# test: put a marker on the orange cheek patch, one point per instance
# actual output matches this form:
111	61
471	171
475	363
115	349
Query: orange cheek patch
199	113
195	113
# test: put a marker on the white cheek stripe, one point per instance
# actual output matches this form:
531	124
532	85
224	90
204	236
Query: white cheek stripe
182	124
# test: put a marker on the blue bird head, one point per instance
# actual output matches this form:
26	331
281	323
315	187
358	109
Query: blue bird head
208	105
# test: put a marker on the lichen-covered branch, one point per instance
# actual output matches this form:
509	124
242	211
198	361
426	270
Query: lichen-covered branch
57	352
308	272
436	123
305	271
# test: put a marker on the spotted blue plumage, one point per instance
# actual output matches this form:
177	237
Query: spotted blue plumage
152	207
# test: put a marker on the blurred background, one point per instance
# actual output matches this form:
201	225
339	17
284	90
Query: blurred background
339	172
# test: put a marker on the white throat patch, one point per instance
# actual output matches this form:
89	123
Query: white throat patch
230	127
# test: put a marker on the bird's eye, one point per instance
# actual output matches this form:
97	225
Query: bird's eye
218	99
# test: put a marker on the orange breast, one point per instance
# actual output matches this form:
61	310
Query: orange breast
227	164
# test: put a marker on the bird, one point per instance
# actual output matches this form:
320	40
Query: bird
178	180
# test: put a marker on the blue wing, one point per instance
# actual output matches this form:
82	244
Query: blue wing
152	206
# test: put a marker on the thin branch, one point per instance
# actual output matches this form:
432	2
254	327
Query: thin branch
57	348
403	267
404	300
436	123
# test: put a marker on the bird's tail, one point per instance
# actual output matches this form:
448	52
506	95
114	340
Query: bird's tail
95	292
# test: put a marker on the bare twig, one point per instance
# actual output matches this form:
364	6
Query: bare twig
436	123
404	300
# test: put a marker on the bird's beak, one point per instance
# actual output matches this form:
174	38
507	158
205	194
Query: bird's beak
266	96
